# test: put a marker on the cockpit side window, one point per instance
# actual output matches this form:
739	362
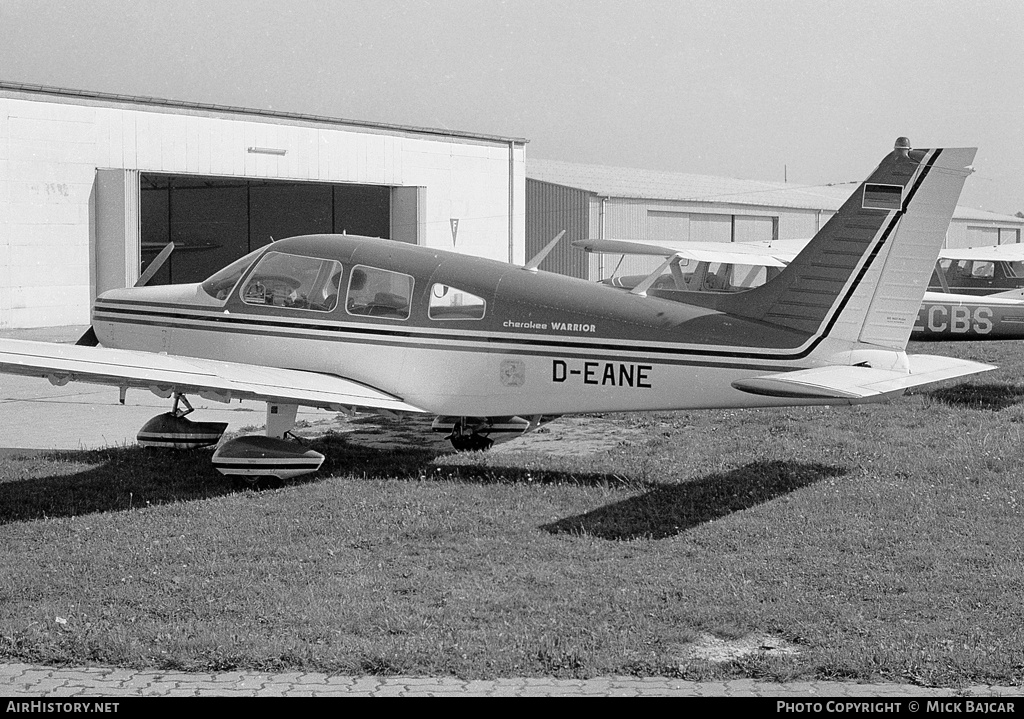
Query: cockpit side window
374	292
983	269
220	283
451	303
283	280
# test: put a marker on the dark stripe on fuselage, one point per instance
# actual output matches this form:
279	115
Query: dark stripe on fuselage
385	337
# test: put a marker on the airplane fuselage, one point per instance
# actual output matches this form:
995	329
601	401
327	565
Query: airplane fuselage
963	317
515	342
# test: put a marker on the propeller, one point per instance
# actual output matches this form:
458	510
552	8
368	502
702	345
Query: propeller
89	339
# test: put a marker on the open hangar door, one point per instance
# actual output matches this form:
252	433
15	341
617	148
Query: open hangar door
213	221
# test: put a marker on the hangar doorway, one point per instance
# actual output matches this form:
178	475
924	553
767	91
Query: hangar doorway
213	221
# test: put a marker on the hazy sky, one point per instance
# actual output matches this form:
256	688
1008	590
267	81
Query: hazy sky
816	89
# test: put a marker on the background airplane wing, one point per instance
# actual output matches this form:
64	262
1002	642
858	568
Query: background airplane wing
212	379
854	383
737	253
993	253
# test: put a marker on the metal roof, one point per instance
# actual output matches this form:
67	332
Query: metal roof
111	98
629	182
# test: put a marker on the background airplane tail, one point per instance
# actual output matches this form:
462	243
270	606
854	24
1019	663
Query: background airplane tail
862	278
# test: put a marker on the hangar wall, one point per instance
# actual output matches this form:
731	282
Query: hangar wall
633	218
70	165
631	203
976	228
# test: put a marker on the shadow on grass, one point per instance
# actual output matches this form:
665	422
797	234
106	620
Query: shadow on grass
75	483
65	484
668	510
994	397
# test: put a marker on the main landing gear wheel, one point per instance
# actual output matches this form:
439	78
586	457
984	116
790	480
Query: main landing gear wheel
465	438
256	482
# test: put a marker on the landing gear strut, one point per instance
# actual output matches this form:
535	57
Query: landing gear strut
179	398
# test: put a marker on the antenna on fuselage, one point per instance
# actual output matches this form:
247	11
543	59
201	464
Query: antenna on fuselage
539	257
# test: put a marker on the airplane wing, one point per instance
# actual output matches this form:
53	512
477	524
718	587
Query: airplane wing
212	379
992	253
858	383
737	253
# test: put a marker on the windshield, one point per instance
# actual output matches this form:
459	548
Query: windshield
220	284
284	280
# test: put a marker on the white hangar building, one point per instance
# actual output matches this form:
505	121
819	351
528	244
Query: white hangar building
93	185
596	201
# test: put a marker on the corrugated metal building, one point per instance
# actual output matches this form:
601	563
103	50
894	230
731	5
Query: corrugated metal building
597	201
92	185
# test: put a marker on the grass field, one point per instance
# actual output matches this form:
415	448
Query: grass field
881	542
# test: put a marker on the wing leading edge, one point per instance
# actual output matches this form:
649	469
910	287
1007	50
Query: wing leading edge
165	375
858	383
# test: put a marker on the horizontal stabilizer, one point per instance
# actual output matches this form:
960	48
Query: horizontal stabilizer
211	379
855	383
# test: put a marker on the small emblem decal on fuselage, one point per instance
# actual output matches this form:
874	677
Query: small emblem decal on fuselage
513	373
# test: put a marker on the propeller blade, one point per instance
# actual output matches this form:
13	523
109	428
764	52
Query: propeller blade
155	265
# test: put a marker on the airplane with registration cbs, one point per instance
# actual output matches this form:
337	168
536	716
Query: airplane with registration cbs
985	303
343	322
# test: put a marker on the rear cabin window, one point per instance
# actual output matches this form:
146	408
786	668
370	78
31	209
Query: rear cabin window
728	277
1014	269
282	280
373	292
451	303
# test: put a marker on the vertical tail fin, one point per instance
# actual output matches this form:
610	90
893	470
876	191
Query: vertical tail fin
862	278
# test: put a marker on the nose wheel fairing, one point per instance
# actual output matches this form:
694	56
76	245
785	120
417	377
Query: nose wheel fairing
177	432
173	430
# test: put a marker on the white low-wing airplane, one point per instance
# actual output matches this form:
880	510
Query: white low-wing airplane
340	322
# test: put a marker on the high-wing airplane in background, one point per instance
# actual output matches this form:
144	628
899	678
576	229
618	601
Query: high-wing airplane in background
339	322
985	303
979	270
